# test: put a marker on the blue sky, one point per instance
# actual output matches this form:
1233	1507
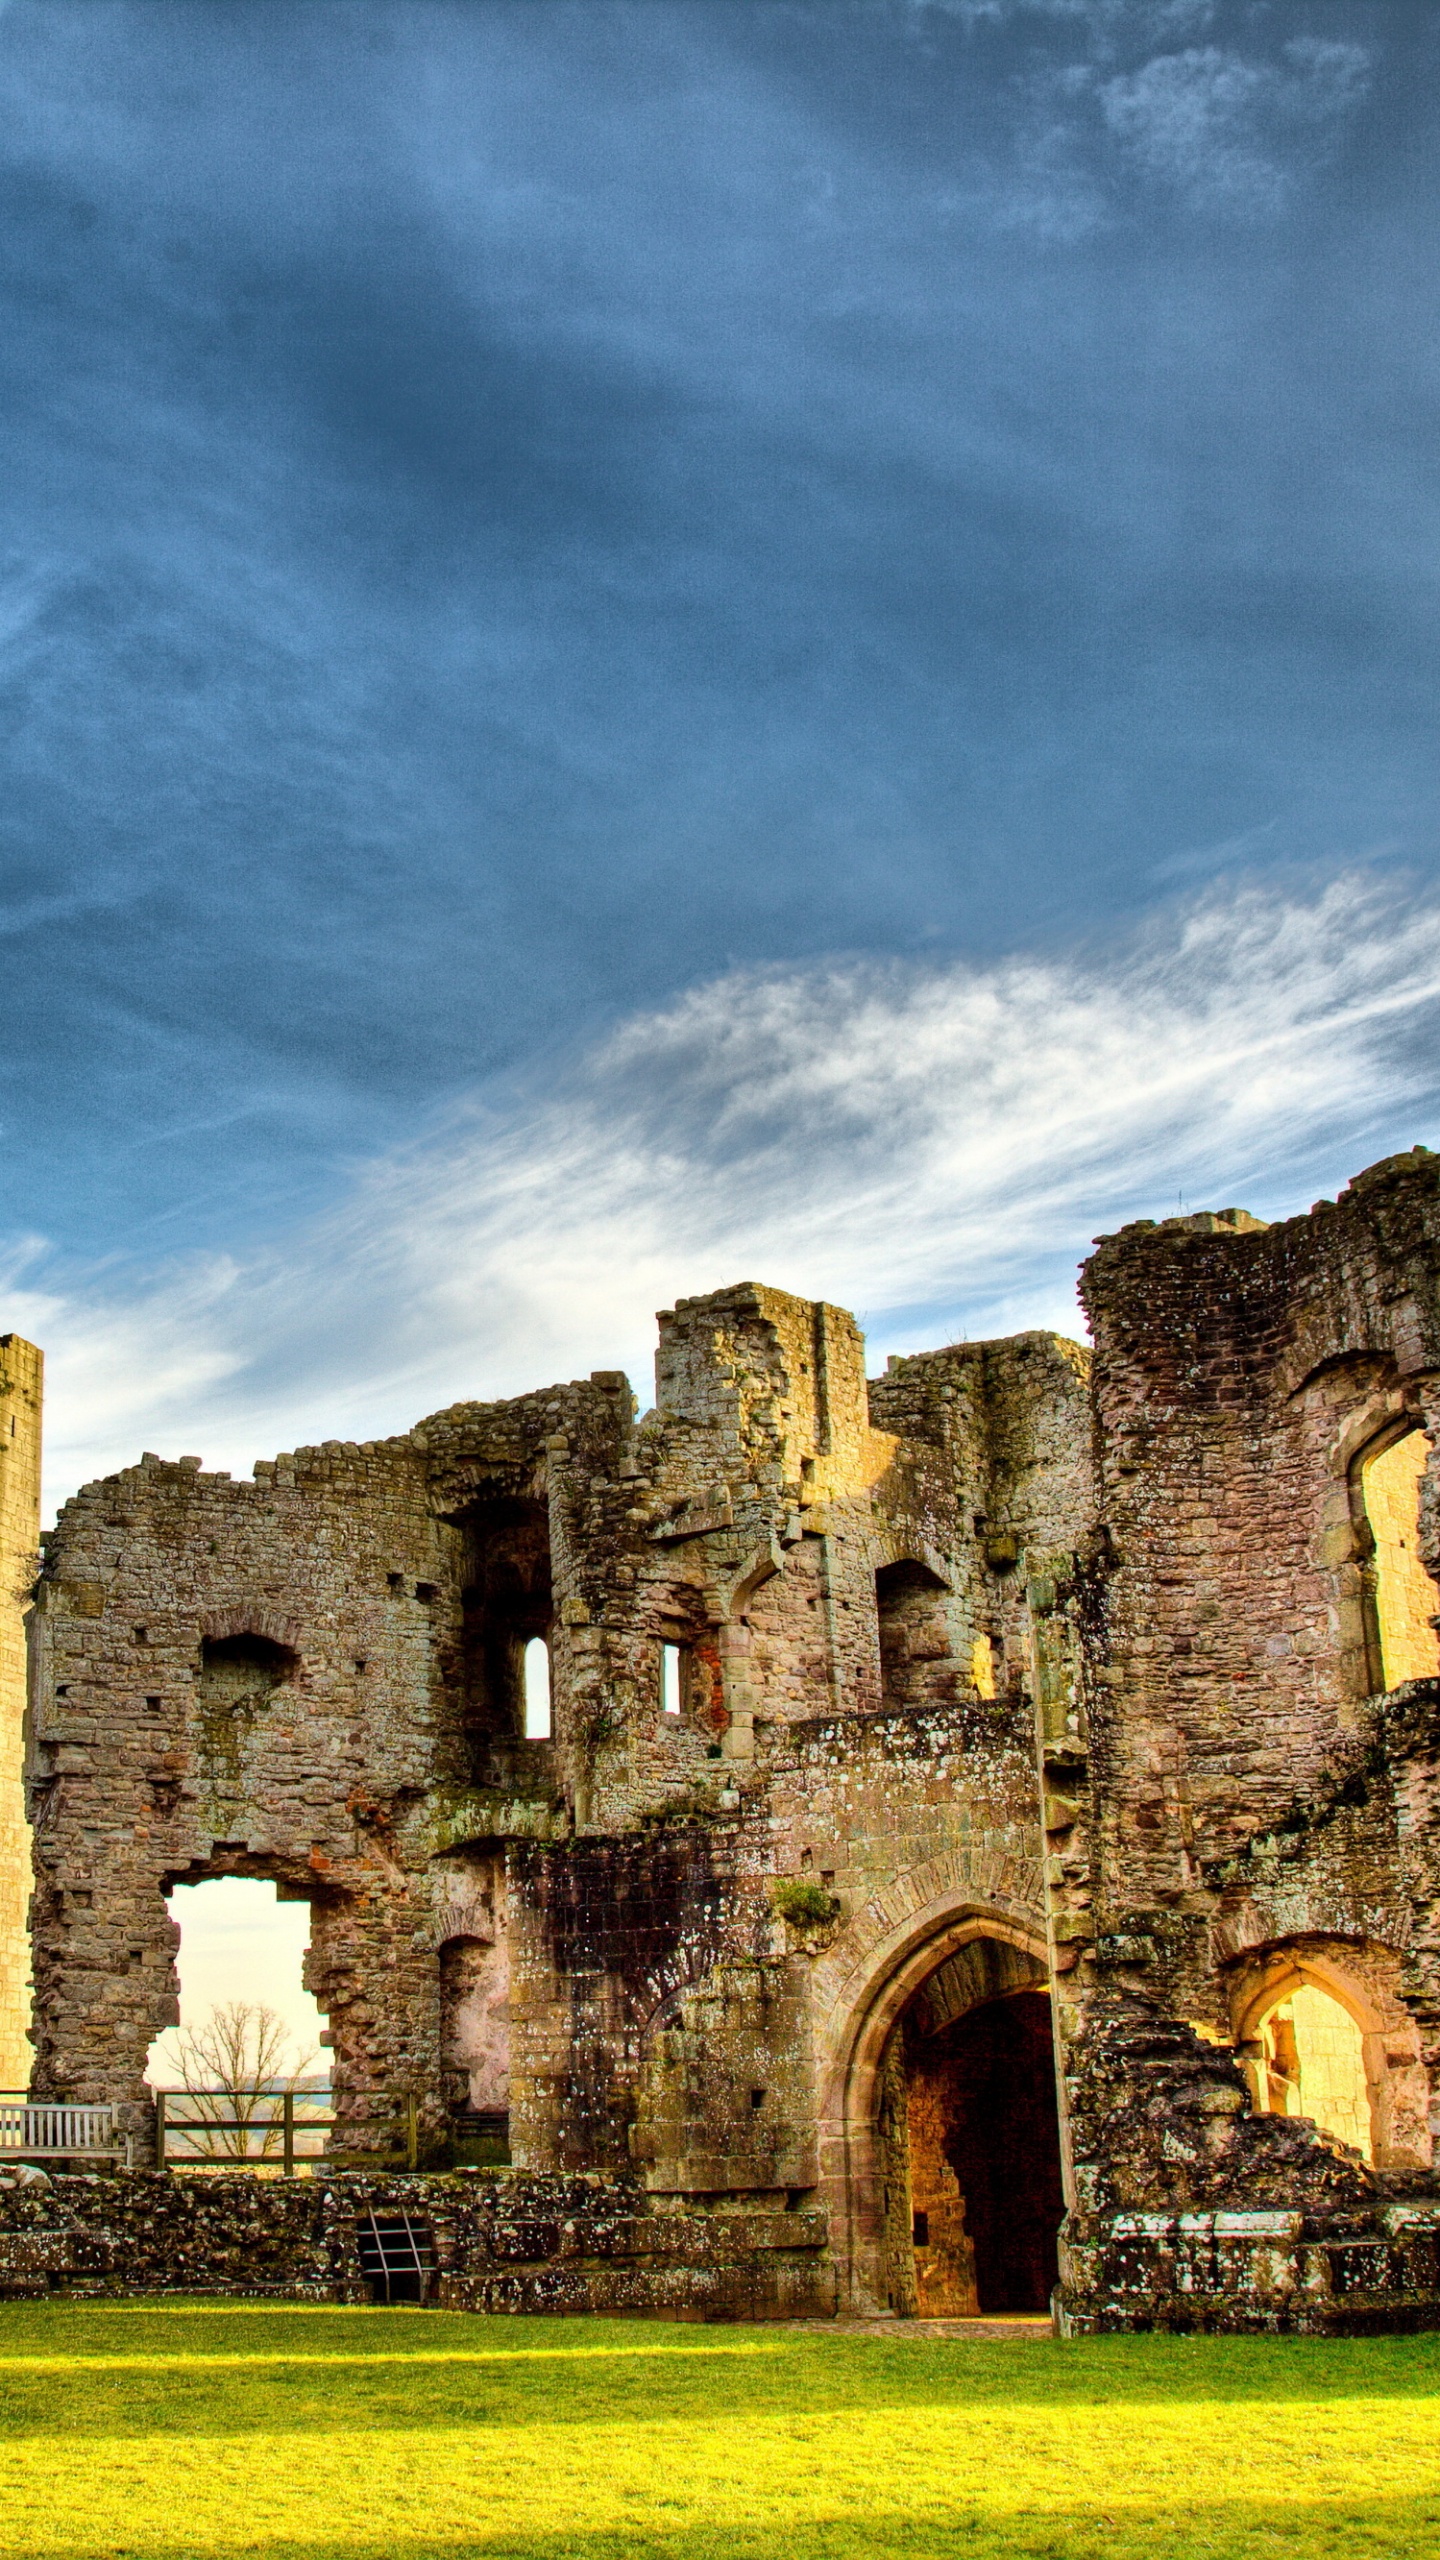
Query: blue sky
642	644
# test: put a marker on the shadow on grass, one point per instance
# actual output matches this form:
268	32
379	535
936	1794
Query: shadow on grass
1202	2529
70	2371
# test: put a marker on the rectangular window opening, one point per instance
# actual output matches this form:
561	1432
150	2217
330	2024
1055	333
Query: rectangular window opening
537	1690
670	1679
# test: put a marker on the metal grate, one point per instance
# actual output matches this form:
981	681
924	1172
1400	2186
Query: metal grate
397	2256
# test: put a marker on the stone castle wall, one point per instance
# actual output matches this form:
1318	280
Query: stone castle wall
21	1395
1005	1670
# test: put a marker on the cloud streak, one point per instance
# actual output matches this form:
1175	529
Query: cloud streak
933	1146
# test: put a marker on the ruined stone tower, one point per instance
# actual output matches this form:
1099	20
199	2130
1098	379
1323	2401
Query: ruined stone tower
21	1380
985	1824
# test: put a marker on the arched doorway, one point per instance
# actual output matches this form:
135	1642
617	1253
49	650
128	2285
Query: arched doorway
946	1927
475	2042
1317	2037
970	2137
1312	2063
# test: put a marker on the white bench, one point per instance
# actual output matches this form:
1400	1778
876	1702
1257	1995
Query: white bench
42	2129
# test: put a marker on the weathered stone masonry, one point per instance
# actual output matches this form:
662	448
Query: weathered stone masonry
22	1370
1038	1729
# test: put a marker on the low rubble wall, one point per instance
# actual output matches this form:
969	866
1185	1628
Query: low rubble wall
502	2241
1343	2274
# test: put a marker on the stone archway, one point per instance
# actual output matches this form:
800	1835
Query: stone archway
971	2133
1354	1980
864	1984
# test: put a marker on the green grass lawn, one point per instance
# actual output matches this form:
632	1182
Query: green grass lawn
196	2428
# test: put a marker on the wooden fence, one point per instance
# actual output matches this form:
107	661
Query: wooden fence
242	2128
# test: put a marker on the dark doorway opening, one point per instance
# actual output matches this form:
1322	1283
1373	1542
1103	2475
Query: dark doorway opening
973	2132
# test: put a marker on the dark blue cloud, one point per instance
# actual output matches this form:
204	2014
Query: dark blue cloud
511	508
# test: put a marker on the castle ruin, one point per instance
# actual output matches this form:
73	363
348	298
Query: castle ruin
988	1831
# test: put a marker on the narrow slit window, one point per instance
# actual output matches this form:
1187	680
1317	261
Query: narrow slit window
670	1679
537	1690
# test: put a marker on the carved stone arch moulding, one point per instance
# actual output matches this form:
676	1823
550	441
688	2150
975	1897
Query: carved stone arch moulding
895	1548
252	1619
1375	1425
899	1938
650	2007
727	1591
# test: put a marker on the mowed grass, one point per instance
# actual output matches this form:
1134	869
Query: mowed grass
210	2429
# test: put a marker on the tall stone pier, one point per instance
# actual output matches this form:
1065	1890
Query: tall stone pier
22	1371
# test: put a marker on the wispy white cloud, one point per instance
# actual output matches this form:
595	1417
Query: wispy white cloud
1230	134
1125	91
933	1146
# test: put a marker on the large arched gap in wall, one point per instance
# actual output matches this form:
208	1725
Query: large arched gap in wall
851	2101
1395	2081
233	1953
1400	1600
971	2133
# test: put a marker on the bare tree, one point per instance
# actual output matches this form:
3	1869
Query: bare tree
232	2070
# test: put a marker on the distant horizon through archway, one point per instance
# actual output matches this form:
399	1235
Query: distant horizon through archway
240	1943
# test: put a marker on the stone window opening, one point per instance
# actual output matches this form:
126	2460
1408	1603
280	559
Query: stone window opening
687	1688
536	1676
506	1621
239	1677
917	1668
1307	2058
1401	1600
242	1671
1321	2037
